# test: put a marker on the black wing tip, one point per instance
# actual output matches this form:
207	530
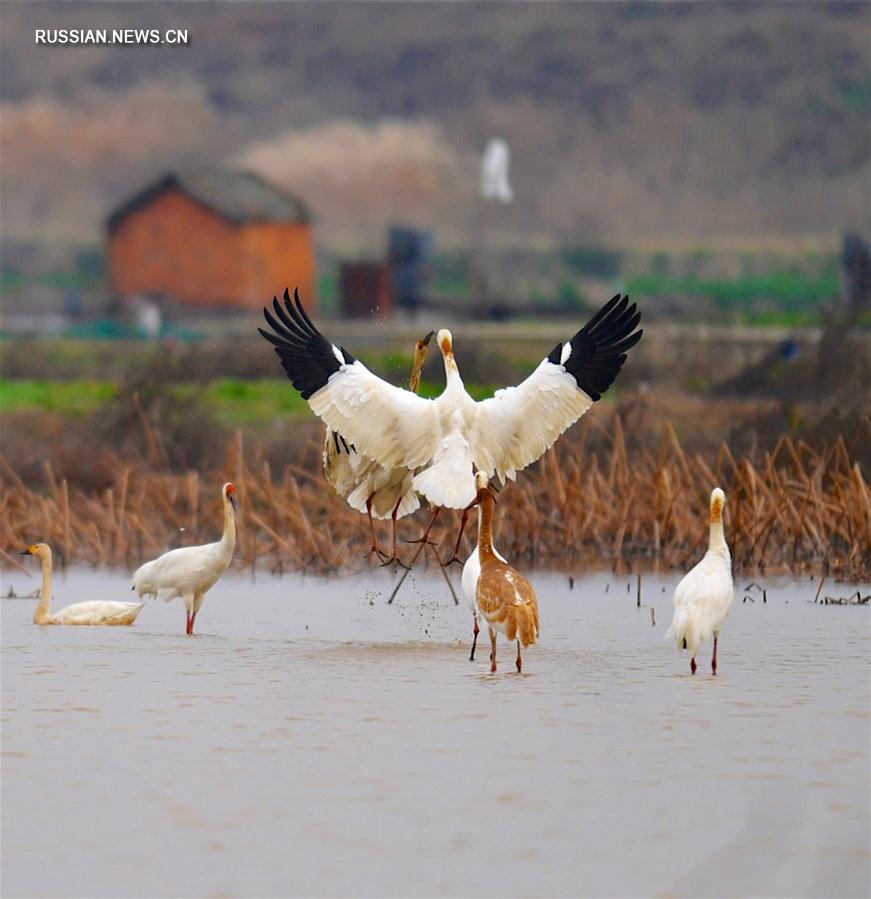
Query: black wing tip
599	349
268	335
307	357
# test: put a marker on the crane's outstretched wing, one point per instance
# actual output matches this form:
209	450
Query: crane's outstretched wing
519	424
390	425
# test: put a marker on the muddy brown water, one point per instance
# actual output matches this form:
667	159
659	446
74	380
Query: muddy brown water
312	740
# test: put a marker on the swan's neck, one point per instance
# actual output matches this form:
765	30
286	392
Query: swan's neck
228	538
43	609
717	539
485	529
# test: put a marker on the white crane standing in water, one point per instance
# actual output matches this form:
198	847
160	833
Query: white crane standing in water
703	598
191	571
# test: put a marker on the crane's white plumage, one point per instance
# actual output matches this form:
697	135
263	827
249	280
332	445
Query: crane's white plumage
365	484
446	438
191	571
520	424
90	613
384	422
446	481
703	597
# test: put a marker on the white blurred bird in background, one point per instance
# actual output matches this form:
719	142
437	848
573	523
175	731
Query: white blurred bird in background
494	171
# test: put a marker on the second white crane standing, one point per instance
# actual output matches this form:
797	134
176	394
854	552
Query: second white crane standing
703	598
191	571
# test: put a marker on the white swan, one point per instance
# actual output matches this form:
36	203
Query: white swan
191	571
703	598
472	571
93	613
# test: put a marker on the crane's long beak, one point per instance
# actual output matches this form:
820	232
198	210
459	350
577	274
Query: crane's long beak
26	552
234	502
427	339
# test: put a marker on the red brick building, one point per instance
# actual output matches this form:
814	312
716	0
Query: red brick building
212	239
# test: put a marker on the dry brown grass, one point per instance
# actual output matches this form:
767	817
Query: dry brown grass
794	511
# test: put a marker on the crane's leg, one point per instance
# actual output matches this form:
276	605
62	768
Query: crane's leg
492	650
374	548
442	567
198	601
189	607
693	665
395	557
463	520
714	659
425	537
518	661
475	631
423	541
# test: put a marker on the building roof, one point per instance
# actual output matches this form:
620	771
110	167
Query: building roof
237	197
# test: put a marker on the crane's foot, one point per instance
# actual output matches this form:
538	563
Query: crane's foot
455	559
374	550
395	560
419	541
693	665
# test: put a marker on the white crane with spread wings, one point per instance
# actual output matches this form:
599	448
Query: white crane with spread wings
447	438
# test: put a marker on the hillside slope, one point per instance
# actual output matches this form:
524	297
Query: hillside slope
626	120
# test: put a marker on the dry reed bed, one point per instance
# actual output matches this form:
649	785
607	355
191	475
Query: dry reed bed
795	511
